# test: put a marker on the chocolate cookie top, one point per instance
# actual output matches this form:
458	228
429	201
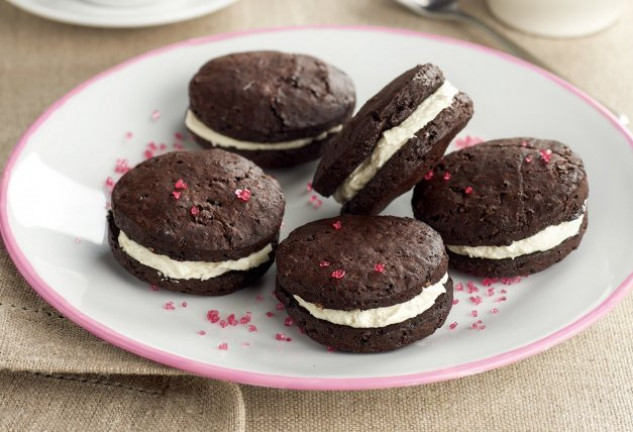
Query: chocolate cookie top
387	109
360	262
502	191
269	96
208	205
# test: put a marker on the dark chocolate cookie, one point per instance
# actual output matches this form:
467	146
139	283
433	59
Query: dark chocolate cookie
274	108
204	222
506	207
365	283
395	138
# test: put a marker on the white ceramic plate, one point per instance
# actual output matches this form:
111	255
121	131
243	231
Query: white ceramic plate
54	198
82	12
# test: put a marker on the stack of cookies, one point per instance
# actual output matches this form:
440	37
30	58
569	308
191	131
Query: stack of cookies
208	222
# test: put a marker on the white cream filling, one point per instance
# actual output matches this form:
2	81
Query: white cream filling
201	270
394	139
216	138
543	240
379	317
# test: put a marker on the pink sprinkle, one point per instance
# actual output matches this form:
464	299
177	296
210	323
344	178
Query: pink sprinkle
180	184
309	187
162	146
128	135
243	194
379	267
323	264
467	141
169	305
459	287
108	205
474	313
501	299
223	323
183	304
148	154
289	321
313	198
195	210
489	281
337	225
282	337
524	144
546	155
259	297
213	316
477	325
269	314
504	291
77	240
155	114
447	176
490	292
223	346
231	320
245	319
452	326
330	349
428	176
252	328
338	274
179	136
468	190
455	301
528	159
471	288
121	166
476	299
279	306
152	145
176	194
109	181
202	332
317	204
494	311
153	287
178	146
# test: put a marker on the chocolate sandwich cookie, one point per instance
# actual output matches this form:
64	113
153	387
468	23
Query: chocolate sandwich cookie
506	207
203	222
365	283
273	108
395	138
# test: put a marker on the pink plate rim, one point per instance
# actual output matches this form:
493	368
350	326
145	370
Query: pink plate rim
280	381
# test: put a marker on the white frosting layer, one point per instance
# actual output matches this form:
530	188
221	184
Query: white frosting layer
379	317
216	138
544	240
394	139
201	270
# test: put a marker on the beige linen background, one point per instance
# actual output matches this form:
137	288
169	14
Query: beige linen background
56	376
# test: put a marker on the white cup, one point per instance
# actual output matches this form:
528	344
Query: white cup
557	18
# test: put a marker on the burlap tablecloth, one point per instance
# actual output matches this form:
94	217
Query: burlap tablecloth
56	376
